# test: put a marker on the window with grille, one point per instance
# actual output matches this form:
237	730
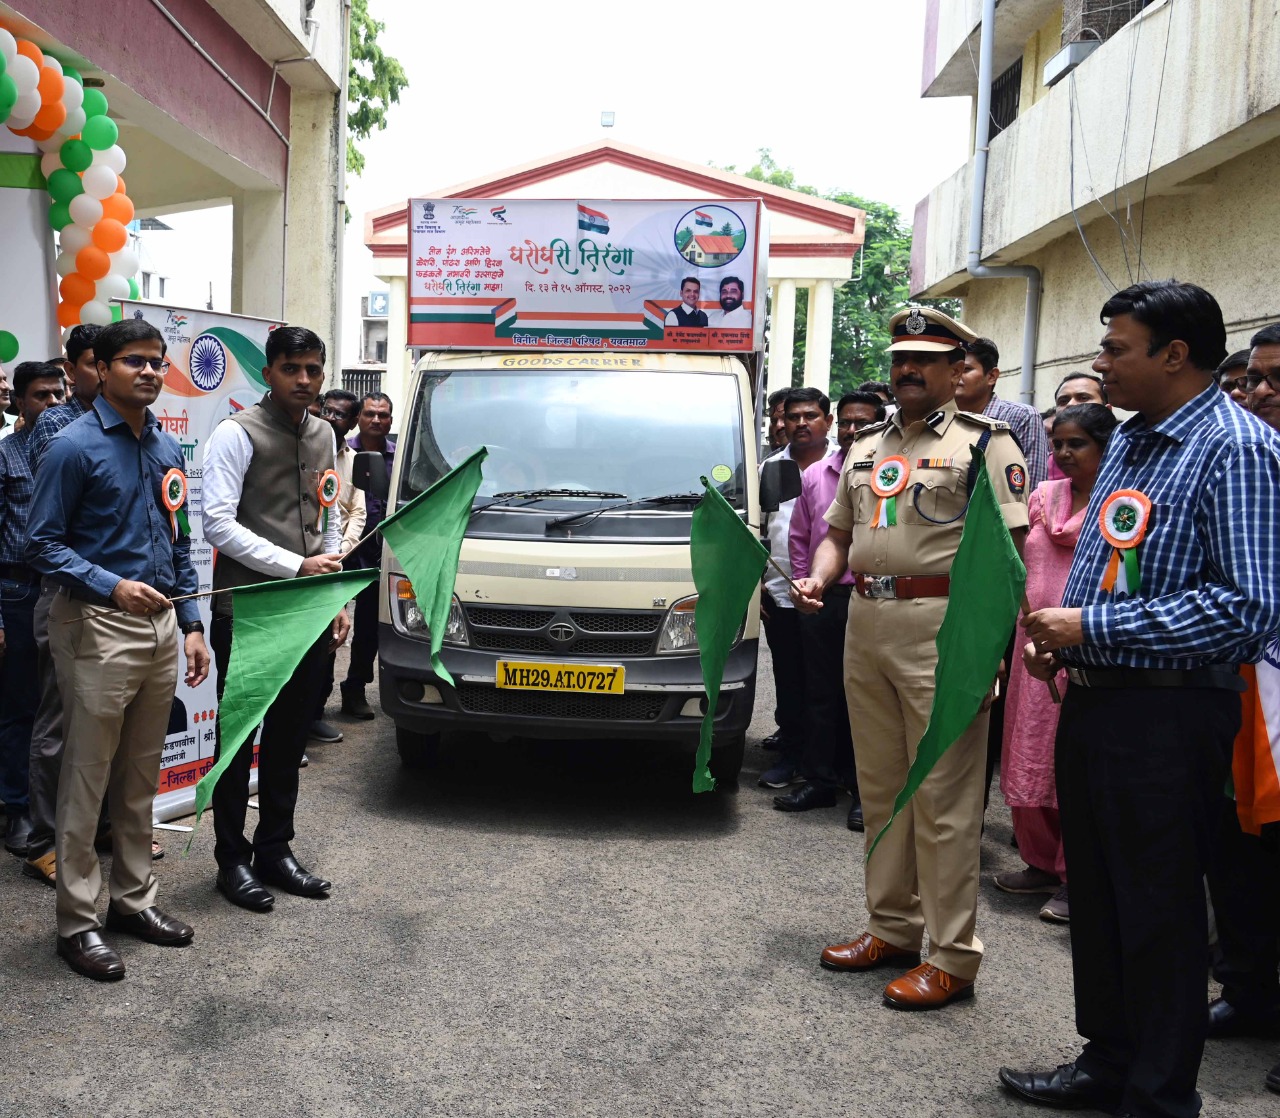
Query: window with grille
1006	92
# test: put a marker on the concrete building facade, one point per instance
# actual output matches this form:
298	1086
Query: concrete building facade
240	101
1156	156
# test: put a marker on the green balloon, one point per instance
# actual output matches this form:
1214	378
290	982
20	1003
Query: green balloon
64	185
133	288
3	64
94	103
8	96
74	75
76	155
100	133
59	216
117	312
8	346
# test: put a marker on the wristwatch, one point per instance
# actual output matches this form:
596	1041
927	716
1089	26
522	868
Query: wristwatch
189	627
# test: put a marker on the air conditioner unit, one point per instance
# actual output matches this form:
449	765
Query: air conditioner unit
1067	59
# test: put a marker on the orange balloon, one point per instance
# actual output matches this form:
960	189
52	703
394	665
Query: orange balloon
92	262
119	184
49	119
51	85
33	52
29	131
110	235
39	134
117	207
69	314
76	288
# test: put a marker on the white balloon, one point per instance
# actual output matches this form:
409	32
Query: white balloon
49	162
86	211
8	45
72	94
53	64
25	73
124	263
66	263
110	287
73	238
27	105
66	336
15	123
52	144
100	182
113	157
97	312
74	124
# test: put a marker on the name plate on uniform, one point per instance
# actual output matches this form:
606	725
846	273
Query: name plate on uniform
538	675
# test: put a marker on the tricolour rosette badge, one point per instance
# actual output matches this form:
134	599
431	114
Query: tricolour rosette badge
330	485
173	491
888	480
1124	518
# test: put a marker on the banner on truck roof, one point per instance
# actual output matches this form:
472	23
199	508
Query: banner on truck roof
495	273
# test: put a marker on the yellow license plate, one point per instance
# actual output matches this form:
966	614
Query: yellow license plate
538	675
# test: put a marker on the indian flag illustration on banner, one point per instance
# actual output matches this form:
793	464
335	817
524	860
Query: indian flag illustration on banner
1255	766
699	218
592	221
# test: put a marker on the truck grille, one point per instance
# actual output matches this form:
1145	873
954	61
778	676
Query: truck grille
603	634
476	698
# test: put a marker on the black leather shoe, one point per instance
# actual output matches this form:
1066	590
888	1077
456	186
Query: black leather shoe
354	704
1227	1021
152	925
1064	1088
806	797
89	954
285	873
855	817
17	833
773	743
239	885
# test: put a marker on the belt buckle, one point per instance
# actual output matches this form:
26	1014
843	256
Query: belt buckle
881	586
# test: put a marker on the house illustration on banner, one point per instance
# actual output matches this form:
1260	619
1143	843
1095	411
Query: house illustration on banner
592	221
708	251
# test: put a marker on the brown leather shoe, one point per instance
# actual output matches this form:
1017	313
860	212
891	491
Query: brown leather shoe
926	987
89	954
151	925
865	953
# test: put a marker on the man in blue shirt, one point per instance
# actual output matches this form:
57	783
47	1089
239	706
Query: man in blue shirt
37	385
99	527
1171	587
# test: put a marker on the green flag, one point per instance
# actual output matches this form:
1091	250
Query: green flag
273	626
426	536
728	560
987	580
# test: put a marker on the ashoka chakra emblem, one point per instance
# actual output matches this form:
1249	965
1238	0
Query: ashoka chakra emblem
208	362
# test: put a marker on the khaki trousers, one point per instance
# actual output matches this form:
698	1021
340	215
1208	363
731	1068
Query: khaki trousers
117	675
924	873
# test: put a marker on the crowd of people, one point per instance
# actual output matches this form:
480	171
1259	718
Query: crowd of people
1133	717
97	585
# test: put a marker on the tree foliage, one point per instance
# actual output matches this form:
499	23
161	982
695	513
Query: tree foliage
863	305
374	82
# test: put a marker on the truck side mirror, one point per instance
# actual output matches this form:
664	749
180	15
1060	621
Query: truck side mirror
779	483
369	472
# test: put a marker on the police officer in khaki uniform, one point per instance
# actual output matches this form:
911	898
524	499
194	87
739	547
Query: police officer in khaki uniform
924	874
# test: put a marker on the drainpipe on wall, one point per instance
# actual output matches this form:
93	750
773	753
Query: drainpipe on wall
340	202
1031	319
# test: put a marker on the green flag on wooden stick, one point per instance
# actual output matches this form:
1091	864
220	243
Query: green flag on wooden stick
728	560
274	624
426	536
987	580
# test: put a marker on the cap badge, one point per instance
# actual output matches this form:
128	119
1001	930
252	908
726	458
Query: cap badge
915	323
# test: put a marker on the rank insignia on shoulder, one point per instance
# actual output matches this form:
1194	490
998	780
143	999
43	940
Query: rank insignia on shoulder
984	420
934	463
1017	477
871	429
865	464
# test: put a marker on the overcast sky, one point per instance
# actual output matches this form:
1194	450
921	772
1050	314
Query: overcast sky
832	87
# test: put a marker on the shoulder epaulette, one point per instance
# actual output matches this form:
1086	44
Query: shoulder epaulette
979	420
871	429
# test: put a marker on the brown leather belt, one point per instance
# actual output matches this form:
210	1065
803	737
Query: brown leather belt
902	586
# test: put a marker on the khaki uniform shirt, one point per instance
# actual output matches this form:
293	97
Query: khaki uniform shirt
350	500
938	452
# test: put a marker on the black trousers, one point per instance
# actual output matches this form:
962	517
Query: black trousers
364	639
1140	776
995	723
1244	883
284	736
827	755
782	632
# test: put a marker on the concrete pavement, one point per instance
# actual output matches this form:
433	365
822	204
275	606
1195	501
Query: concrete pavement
538	929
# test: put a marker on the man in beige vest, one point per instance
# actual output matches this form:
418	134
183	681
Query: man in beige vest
262	511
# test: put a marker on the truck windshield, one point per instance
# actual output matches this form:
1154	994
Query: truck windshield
636	434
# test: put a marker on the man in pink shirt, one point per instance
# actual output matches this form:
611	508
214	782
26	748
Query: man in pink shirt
827	760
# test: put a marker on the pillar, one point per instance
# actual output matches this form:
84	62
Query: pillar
257	253
782	337
817	350
396	380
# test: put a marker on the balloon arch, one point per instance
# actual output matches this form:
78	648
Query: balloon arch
82	164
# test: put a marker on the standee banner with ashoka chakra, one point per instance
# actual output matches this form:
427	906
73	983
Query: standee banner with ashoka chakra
216	363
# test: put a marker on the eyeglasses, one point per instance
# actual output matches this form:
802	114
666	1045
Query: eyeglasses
1239	384
1253	380
334	413
136	362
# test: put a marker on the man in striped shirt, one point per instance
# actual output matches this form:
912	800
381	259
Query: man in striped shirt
1190	487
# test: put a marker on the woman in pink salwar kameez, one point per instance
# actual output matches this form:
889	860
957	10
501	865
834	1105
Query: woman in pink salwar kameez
1056	510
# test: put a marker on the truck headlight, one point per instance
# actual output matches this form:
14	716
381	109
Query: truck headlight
414	624
680	629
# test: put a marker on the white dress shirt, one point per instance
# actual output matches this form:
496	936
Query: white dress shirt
739	317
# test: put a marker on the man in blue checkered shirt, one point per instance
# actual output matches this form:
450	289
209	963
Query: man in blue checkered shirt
1171	587
37	385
